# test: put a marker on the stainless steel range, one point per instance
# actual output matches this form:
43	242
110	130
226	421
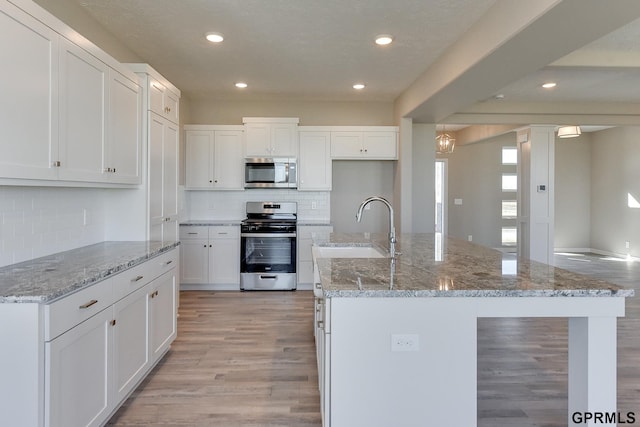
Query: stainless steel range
268	246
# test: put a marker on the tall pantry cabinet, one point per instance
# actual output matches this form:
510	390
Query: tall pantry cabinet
161	102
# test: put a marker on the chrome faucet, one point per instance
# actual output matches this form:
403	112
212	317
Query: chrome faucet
392	228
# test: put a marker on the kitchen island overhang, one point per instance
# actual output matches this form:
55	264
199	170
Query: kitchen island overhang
436	299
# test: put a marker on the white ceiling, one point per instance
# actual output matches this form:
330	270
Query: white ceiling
310	49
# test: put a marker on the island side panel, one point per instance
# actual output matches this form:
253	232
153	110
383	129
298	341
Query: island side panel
592	367
430	378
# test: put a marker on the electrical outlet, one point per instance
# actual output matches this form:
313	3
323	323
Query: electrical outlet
470	238
314	205
626	244
405	342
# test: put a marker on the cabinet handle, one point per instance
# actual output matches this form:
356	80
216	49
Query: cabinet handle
113	322
318	286
154	294
192	232
168	262
205	246
137	279
56	164
88	304
320	324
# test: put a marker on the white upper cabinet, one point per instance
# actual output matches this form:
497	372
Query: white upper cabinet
214	157
368	143
68	119
271	137
123	150
82	102
162	133
163	101
29	122
315	161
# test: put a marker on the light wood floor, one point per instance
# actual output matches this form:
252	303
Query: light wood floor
247	359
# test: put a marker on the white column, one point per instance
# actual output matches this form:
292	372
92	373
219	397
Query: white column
592	368
536	188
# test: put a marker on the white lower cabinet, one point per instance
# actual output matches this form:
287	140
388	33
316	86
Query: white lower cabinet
130	343
93	367
162	314
210	257
78	368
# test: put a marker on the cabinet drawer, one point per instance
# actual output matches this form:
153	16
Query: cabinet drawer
67	312
134	278
194	232
224	232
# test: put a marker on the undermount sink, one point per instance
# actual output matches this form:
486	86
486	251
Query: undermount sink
348	252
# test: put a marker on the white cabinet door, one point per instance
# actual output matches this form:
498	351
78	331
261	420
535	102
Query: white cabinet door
162	313
162	101
82	101
29	84
130	342
228	161
77	371
380	145
284	140
374	144
257	139
170	171
199	173
346	145
194	261
315	161
163	178
122	154
224	261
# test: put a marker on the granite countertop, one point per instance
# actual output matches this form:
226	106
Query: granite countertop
453	268
44	279
208	222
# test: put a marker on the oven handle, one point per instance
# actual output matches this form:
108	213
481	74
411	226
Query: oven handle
267	234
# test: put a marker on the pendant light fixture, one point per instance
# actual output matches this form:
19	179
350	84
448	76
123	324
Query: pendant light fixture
445	143
569	131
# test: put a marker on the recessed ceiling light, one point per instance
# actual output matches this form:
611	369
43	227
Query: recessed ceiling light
384	39
358	86
214	37
549	85
241	85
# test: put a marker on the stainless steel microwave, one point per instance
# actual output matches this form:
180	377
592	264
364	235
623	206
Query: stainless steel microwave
271	172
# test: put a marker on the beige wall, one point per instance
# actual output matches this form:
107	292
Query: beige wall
573	192
474	175
311	113
354	181
615	173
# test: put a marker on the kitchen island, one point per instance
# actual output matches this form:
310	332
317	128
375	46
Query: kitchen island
397	338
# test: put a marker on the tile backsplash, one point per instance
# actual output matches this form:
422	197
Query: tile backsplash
39	221
312	205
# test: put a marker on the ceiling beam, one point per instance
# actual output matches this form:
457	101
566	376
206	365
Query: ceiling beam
481	62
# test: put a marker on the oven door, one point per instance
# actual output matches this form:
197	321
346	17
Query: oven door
268	253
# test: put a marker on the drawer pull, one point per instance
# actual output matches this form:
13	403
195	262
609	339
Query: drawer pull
88	304
168	262
192	232
137	279
154	294
113	322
